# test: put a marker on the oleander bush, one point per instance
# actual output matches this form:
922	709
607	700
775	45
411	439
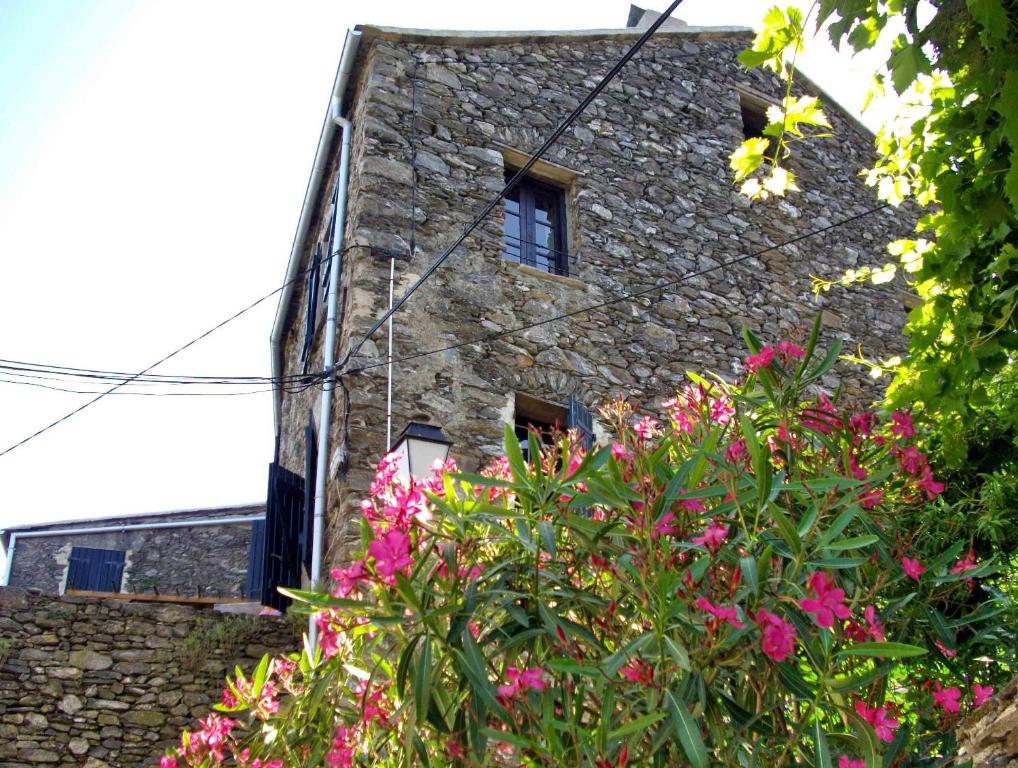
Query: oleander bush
728	586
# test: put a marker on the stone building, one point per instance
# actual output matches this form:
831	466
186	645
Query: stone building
637	194
201	552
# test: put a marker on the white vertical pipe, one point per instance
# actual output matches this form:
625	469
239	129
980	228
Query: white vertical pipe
10	560
328	360
388	393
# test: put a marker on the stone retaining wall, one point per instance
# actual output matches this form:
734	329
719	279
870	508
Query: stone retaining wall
105	683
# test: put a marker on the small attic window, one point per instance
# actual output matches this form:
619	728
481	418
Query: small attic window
754	119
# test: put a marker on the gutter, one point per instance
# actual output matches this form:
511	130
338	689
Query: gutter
193	523
311	195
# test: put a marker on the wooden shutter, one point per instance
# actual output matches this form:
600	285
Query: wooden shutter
582	421
311	316
95	570
255	561
281	566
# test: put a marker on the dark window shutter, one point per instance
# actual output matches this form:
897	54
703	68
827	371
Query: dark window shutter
327	264
311	315
255	561
310	472
95	570
283	511
582	421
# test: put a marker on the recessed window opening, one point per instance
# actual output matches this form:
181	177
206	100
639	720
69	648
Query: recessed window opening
754	120
95	570
535	226
538	416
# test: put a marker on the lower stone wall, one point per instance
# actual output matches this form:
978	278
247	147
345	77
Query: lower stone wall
111	684
989	737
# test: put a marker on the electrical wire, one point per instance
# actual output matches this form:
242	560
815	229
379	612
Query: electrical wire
515	180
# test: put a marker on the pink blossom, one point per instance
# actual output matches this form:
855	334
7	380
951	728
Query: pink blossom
863	423
621	453
980	693
928	484
966	564
521	681
790	350
948	653
737	453
910	460
638	671
845	762
871	497
882	723
912	568
721	410
857	472
328	637
828	600
646	428
392	555
713	537
167	762
875	629
822	416
665	526
778	640
373	703
760	360
342	753
348	579
901	425
947	698
720	612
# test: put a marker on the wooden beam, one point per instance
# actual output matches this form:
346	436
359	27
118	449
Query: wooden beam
138	598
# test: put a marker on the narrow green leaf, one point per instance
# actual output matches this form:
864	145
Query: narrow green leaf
822	753
856	542
687	731
422	680
884	650
641	723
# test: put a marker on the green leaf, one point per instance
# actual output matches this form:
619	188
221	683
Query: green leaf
258	678
884	650
687	731
785	527
906	63
514	454
991	17
422	680
822	753
748	157
640	724
856	542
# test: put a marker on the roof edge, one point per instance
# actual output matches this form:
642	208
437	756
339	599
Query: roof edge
254	507
475	37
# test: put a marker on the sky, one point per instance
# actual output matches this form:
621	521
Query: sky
153	160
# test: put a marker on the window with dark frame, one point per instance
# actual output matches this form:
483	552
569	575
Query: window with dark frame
546	419
95	570
534	233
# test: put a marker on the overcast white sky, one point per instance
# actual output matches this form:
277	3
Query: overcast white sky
153	159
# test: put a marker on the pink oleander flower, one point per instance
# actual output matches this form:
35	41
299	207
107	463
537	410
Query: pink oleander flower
760	360
857	472
348	579
926	483
342	753
968	563
948	699
882	723
328	637
638	671
901	425
521	681
910	460
778	636
665	526
948	653
737	452
791	351
874	628
713	537
621	453
821	416
912	568
167	762
846	762
373	703
720	612
646	428
828	600
980	694
721	410
392	555
871	497
862	424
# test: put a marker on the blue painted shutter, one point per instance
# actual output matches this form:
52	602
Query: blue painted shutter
310	475
582	421
311	316
95	570
255	561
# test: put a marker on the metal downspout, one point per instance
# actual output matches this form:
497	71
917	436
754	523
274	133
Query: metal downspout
328	360
10	560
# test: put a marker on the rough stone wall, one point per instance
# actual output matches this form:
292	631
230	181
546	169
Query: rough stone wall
651	200
207	560
111	684
989	736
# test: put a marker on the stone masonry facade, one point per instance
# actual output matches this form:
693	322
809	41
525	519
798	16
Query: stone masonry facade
111	684
649	199
200	560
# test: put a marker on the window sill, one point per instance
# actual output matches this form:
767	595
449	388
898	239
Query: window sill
523	269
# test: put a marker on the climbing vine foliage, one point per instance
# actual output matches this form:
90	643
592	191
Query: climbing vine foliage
729	586
952	152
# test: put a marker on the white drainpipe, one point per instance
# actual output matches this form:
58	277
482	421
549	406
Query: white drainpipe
328	360
193	523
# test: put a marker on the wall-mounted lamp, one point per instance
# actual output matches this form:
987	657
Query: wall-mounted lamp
417	449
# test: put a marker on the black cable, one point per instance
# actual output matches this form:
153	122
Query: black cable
623	297
515	180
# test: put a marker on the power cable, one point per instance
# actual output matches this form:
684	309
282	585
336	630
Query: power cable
515	180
